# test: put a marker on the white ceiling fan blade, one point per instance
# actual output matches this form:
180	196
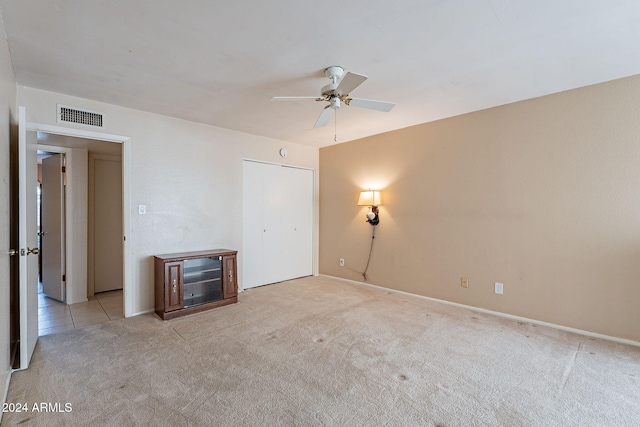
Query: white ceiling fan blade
295	98
323	120
349	82
371	104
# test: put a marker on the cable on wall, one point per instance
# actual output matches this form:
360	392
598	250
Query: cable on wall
364	273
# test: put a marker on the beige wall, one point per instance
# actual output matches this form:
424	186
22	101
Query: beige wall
8	118
542	195
188	175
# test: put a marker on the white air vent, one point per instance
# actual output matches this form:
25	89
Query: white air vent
80	117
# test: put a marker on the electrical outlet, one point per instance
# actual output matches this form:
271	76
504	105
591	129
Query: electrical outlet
499	288
464	282
341	262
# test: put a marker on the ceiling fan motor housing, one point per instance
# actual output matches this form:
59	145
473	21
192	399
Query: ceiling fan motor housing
334	73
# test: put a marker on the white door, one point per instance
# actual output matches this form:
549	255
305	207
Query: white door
278	223
297	222
274	194
52	227
27	239
252	224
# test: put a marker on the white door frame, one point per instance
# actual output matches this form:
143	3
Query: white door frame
127	280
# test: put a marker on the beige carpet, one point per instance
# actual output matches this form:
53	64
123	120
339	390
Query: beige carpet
316	352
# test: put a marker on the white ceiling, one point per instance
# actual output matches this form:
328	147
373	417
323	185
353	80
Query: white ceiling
220	62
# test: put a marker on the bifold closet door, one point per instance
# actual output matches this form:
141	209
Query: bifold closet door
278	221
251	224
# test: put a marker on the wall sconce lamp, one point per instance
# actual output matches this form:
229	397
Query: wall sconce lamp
372	199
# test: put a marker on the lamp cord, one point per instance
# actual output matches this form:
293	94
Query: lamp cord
364	273
373	236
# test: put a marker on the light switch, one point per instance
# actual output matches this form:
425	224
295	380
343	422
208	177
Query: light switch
142	209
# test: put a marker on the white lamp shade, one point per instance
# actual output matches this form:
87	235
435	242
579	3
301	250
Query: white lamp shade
369	198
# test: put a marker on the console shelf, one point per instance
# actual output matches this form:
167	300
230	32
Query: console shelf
189	282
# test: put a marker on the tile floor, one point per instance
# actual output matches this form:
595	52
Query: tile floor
54	316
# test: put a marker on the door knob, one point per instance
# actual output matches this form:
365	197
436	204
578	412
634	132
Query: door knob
29	251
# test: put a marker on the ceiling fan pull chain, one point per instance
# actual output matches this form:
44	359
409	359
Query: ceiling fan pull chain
335	129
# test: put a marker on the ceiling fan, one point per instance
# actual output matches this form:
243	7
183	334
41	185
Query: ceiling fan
337	92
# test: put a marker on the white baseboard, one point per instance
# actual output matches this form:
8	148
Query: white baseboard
151	310
497	313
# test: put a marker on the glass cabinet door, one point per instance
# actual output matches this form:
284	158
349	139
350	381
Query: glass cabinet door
202	281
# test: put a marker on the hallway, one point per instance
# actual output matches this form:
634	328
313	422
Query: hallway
54	316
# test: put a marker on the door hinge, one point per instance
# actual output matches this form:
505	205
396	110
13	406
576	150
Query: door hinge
64	169
64	277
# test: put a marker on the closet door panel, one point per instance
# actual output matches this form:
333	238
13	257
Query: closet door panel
297	222
274	242
252	225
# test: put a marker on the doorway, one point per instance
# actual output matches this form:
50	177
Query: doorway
74	302
24	273
51	225
104	223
